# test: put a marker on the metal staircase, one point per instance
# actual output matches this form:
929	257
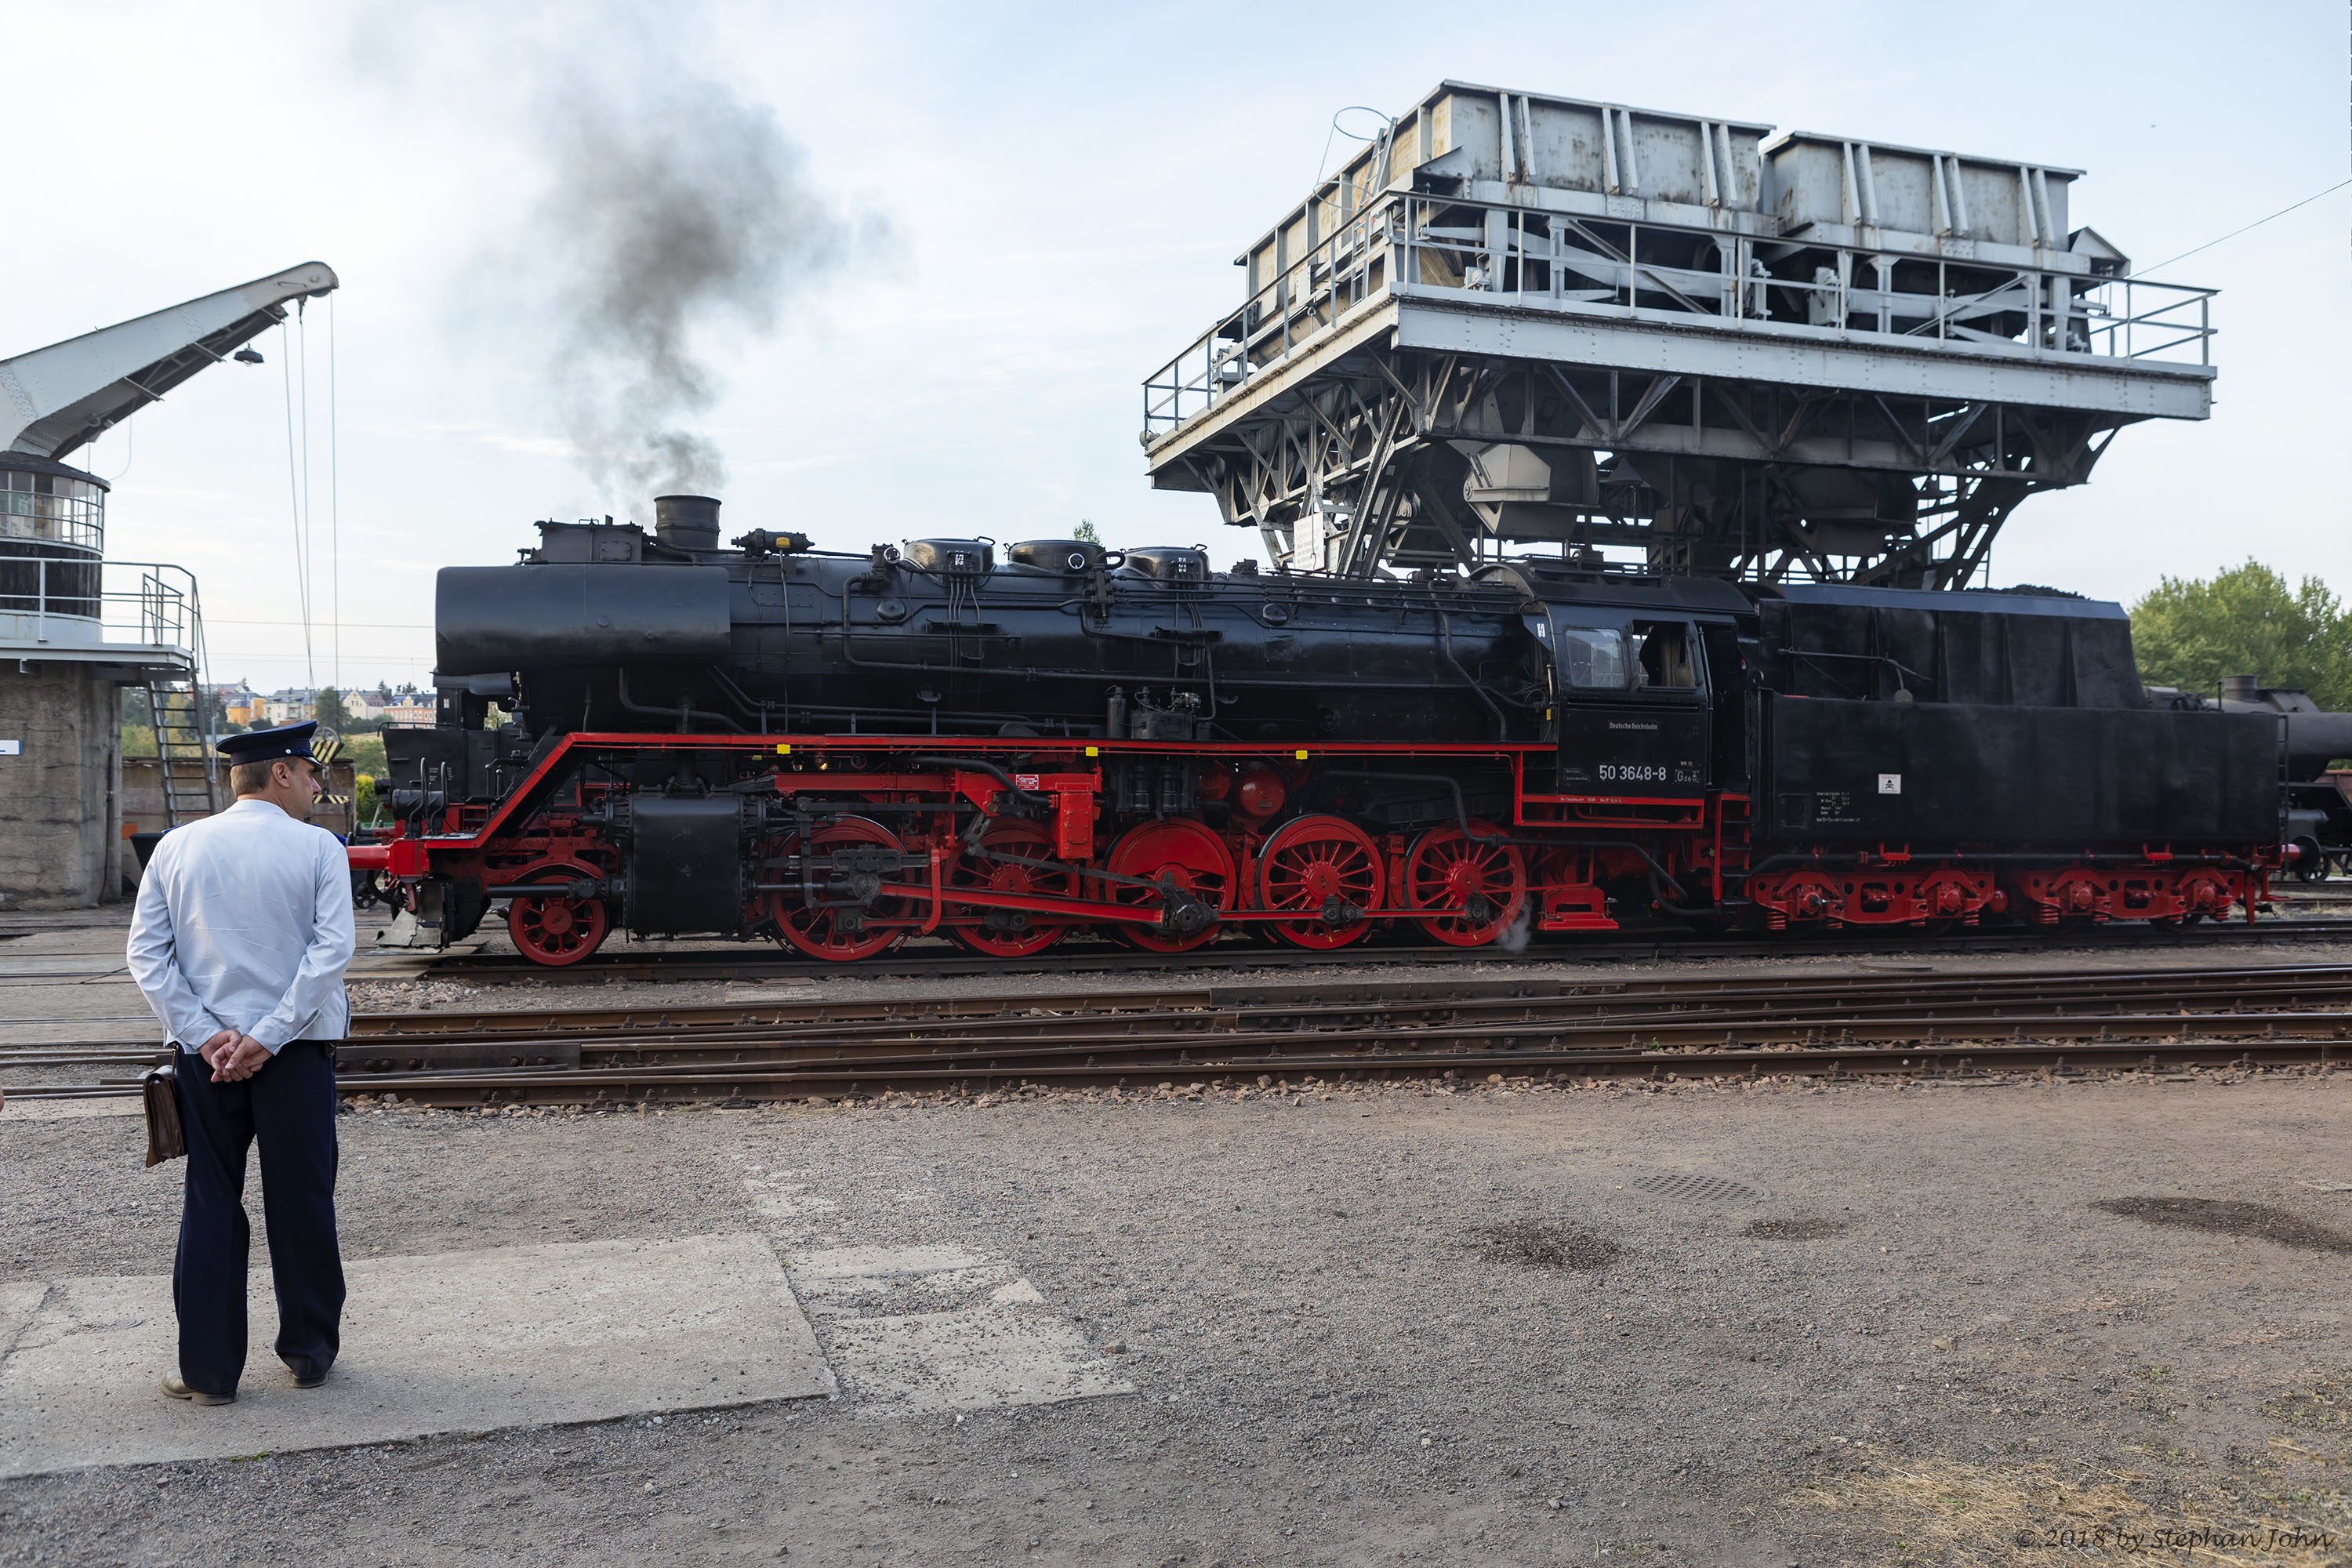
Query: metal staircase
186	759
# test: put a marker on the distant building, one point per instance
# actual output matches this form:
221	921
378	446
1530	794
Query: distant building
236	703
290	704
410	709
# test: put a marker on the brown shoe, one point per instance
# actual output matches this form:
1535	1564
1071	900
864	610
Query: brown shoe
311	1382
174	1386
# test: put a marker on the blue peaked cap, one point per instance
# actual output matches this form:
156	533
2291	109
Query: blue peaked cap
269	745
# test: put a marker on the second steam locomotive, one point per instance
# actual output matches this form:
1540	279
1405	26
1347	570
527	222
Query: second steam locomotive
656	733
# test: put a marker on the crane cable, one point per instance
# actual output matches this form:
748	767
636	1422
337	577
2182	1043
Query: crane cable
309	545
334	503
294	496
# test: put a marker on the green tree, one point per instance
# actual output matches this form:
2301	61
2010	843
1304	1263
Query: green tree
1086	531
328	710
2190	633
366	754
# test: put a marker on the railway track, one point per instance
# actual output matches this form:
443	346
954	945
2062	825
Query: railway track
1518	1026
941	960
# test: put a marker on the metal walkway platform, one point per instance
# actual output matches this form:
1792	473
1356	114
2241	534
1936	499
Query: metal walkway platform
1520	319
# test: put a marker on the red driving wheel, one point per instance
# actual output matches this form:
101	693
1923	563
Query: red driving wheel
837	927
1179	850
1473	888
555	929
1023	840
1309	862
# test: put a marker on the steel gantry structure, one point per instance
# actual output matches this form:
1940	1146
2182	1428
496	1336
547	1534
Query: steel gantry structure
1516	319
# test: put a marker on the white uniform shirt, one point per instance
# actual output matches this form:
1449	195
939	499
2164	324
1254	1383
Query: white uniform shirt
244	923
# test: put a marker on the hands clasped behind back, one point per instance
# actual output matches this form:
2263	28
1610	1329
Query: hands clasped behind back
234	1057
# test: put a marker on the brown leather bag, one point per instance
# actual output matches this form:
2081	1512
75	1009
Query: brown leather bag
159	1090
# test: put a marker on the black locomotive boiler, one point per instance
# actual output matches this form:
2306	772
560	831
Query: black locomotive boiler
1005	747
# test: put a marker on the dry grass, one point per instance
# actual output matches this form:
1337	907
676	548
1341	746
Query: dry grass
1942	1511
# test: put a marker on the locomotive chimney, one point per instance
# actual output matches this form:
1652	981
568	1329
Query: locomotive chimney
2242	687
686	522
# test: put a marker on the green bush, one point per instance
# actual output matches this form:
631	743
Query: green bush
366	754
2191	632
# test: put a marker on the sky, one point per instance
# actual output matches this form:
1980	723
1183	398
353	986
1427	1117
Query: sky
1001	219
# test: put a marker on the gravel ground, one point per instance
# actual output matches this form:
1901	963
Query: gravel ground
1381	1326
1366	1325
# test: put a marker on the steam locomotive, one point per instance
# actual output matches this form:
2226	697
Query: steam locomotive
655	732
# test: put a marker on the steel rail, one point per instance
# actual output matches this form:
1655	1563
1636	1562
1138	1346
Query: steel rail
1813	1002
1126	1052
1224	1026
1659	1033
1954	1060
1240	954
2193	980
1811	1006
1916	1059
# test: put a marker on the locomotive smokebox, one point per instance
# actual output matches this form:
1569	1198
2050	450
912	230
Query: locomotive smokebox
686	522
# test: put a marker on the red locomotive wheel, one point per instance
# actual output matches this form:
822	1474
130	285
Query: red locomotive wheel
1475	890
555	929
1179	851
822	930
1025	840
1311	862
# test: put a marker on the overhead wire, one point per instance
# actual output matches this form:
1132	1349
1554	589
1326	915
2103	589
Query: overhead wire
294	496
309	544
334	499
2236	232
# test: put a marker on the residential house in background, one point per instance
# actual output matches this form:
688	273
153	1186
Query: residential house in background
409	708
290	704
237	703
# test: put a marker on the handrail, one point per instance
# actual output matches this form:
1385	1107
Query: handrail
1494	253
158	608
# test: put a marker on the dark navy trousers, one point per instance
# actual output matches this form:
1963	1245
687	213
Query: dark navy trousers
289	1107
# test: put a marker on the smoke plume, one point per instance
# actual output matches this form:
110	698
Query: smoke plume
673	211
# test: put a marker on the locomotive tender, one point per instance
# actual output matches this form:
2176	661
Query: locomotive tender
841	751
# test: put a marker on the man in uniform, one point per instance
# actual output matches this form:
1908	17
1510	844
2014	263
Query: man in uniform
242	934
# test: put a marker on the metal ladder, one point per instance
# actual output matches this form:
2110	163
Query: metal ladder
186	760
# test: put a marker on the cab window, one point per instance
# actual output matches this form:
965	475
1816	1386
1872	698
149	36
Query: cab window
1591	658
1663	657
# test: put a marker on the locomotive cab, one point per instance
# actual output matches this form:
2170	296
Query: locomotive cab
1639	711
1633	702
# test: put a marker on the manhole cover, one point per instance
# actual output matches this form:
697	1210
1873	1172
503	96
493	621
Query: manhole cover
1684	1187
